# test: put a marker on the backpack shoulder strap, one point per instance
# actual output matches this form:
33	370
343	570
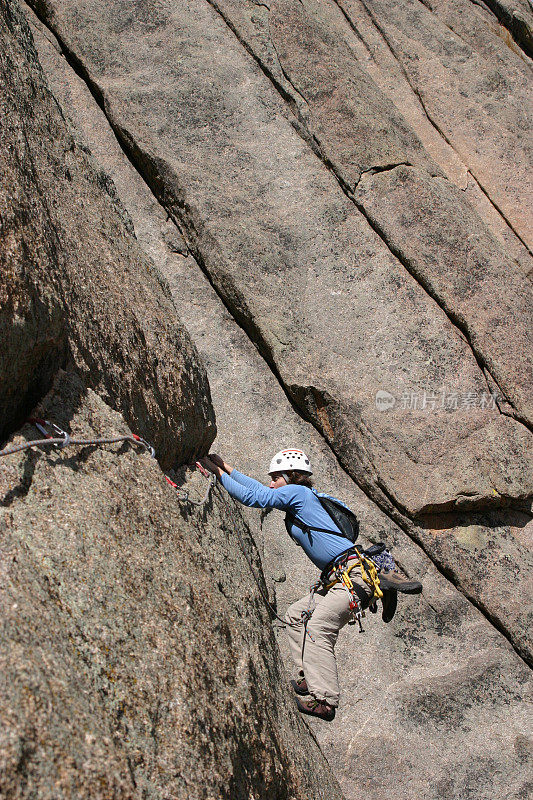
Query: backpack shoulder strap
292	519
342	516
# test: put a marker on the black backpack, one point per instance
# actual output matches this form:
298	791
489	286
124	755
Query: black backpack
344	519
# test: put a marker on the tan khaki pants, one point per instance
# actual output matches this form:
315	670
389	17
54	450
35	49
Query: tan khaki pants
314	655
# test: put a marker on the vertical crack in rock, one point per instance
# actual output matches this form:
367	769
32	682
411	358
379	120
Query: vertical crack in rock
509	36
436	53
269	74
528	274
295	107
514	20
350	191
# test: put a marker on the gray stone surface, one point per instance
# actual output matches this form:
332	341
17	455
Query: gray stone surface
292	256
484	113
77	285
136	655
436	699
307	47
438	647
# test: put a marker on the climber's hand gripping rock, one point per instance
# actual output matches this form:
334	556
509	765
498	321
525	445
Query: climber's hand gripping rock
214	464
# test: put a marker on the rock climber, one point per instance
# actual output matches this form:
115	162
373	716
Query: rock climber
312	638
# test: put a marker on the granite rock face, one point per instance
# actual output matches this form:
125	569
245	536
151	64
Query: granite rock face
293	257
76	285
135	647
137	658
388	345
324	241
439	647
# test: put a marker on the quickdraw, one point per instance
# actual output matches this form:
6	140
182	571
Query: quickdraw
62	439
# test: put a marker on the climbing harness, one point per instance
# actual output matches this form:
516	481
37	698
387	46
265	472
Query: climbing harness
369	574
348	525
62	439
343	575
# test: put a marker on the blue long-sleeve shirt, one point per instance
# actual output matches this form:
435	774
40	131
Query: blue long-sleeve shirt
321	548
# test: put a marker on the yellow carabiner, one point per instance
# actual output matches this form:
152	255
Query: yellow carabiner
372	577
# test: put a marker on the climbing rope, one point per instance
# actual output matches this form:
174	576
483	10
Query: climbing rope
261	592
183	494
62	439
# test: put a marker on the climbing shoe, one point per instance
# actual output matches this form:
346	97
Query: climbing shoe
389	602
394	580
300	686
316	708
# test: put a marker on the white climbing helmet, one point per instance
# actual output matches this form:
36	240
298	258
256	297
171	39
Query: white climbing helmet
290	459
